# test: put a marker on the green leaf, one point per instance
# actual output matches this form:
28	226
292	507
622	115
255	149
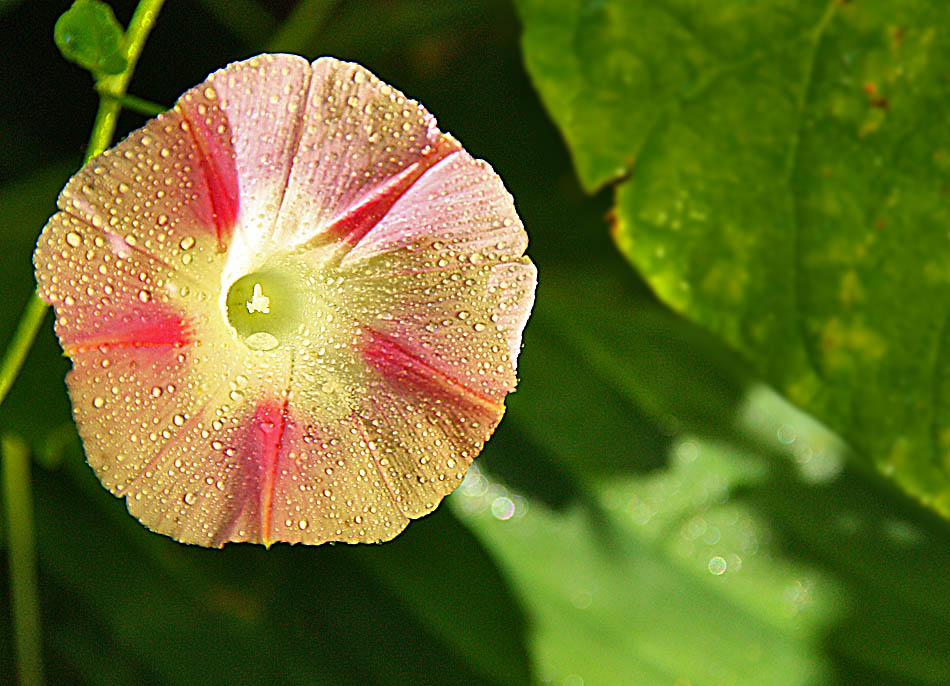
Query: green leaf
750	555
89	35
782	170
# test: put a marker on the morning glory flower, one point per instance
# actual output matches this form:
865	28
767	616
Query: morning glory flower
293	307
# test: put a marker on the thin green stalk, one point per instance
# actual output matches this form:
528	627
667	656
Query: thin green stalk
15	467
134	103
102	132
19	348
18	515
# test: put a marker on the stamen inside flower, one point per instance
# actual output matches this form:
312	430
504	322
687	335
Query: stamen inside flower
262	309
258	302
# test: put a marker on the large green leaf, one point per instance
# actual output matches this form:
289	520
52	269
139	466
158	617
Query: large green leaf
783	170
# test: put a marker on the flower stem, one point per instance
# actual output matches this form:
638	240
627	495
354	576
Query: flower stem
102	132
18	514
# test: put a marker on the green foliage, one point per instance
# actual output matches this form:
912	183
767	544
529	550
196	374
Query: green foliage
782	175
89	35
648	512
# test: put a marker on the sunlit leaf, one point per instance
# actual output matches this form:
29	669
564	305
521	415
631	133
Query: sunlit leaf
750	555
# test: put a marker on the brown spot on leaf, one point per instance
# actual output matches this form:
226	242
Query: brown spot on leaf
875	99
898	37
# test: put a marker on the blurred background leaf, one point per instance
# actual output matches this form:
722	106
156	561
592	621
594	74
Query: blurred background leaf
752	554
647	513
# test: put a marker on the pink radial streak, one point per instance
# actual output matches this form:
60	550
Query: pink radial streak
350	227
220	174
269	422
159	329
399	365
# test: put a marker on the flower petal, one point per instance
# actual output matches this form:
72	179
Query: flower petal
381	270
252	111
152	193
362	145
426	427
320	482
460	209
105	290
443	273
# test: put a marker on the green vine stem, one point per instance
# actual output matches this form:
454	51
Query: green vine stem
133	103
15	354
14	452
146	12
18	515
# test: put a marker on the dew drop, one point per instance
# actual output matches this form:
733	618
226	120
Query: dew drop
717	566
261	340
